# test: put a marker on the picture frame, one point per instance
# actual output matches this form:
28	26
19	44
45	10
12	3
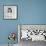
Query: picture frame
32	35
10	12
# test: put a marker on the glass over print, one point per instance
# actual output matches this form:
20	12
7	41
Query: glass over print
10	12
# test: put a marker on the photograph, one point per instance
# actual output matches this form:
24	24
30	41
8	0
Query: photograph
10	12
33	32
29	34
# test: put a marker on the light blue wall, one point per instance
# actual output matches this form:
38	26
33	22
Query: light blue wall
33	12
29	12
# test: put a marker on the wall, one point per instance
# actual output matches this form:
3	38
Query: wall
29	12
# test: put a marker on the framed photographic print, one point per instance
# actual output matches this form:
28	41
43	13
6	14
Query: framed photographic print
31	32
10	12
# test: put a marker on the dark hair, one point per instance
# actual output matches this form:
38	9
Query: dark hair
9	10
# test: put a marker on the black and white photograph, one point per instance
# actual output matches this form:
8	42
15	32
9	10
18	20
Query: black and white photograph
10	12
29	35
